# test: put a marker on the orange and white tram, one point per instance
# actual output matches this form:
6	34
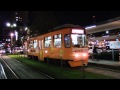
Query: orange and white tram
68	43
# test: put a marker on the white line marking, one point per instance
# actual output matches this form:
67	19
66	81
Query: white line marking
10	68
3	71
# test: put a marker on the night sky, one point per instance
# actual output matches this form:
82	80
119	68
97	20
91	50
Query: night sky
82	18
6	16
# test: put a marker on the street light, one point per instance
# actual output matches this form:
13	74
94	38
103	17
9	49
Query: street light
11	41
13	34
11	25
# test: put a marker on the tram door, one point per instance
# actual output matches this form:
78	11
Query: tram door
41	50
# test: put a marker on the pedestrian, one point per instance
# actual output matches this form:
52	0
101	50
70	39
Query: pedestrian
0	53
95	53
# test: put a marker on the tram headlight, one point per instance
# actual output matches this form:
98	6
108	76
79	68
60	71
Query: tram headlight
80	55
84	54
76	55
46	51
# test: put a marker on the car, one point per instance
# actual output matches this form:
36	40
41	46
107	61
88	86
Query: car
2	51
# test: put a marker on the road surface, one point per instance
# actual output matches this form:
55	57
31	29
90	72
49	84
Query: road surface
22	71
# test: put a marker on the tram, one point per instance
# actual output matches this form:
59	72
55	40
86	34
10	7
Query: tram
68	44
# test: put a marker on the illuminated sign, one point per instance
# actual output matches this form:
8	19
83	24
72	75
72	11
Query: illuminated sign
114	45
16	34
78	31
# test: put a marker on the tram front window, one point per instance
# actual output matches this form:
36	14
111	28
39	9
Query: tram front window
78	41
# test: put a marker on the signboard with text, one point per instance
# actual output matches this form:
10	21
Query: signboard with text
115	45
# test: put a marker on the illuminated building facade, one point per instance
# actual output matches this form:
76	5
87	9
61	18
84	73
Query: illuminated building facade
21	18
103	33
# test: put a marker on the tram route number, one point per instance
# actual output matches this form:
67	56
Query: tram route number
79	50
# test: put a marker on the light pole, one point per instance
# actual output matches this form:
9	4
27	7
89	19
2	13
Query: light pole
11	25
11	41
24	41
13	34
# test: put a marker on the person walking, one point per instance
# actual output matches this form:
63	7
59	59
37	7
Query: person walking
95	53
0	53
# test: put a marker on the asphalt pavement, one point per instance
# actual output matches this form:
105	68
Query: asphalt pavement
23	71
2	72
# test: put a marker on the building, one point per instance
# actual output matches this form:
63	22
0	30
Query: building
103	33
22	20
21	17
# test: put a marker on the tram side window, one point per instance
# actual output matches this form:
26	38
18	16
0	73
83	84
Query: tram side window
31	44
48	41
40	44
57	41
35	43
67	41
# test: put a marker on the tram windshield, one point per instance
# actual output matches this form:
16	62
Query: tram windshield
79	40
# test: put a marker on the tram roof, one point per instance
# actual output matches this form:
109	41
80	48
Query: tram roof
59	28
66	26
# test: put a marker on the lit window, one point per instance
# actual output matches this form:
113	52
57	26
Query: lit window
48	41
67	41
57	41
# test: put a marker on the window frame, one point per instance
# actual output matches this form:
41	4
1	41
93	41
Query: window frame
57	38
69	42
50	44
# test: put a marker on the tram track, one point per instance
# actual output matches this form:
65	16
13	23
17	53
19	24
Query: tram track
115	73
23	71
103	68
34	69
2	72
10	74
